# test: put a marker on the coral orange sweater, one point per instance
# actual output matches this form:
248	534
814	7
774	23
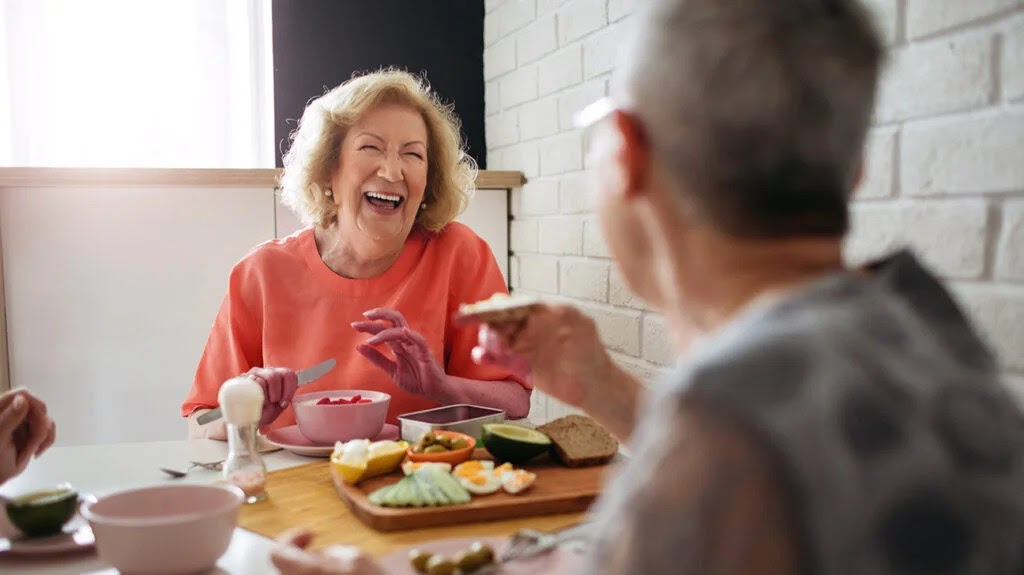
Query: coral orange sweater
285	308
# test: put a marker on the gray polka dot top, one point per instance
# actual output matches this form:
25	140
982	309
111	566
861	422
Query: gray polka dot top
902	451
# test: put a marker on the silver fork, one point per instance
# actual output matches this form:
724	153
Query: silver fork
530	542
212	466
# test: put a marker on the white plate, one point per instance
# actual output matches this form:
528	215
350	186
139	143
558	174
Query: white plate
291	438
558	560
77	536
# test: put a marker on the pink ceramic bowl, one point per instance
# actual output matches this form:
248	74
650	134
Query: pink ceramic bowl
164	529
329	423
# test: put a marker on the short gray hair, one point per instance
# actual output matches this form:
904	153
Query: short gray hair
757	109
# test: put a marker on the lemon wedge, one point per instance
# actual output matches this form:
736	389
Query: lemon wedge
359	459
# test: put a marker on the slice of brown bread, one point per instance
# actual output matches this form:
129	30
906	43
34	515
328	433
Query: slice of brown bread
580	441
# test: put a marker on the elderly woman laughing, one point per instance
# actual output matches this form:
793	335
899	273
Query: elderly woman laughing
376	171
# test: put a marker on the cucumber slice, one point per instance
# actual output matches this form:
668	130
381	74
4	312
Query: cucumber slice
438	493
426	492
446	483
399	496
416	498
379	495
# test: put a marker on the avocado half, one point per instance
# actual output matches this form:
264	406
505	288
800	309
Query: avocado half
513	443
43	512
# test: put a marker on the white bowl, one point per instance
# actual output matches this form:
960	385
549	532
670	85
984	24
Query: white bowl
165	529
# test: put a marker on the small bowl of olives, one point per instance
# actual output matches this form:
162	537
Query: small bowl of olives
464	562
442	447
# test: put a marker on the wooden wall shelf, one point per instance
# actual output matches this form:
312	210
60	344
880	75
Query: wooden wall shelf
79	177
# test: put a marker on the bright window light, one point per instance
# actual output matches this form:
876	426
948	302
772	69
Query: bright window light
136	83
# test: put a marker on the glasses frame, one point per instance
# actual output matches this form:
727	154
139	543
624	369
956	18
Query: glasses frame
595	112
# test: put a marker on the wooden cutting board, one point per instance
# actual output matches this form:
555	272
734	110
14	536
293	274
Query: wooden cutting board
558	489
305	496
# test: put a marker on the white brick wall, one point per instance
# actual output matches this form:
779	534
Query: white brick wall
950	236
579	18
561	69
561	154
999	312
574	194
657	342
584	279
972	154
926	17
538	273
887	18
619	294
538	39
879	158
1010	261
619	9
561	236
500	58
944	165
538	119
1013	61
918	81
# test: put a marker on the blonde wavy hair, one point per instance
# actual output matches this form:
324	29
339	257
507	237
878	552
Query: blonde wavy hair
313	155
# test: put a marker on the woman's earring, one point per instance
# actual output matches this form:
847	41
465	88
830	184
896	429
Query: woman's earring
328	193
423	206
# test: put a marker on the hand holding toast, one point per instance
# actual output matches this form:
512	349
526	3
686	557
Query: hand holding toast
559	349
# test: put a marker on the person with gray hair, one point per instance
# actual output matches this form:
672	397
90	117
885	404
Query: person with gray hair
823	419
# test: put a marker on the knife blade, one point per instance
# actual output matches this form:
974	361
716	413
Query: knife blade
305	376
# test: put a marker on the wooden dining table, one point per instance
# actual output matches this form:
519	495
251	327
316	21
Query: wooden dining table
297	485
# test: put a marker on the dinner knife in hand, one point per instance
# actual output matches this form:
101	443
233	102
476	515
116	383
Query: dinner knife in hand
305	376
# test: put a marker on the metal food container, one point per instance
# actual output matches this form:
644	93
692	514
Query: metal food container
463	418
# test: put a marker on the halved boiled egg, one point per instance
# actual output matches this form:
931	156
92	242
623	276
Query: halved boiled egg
517	480
409	466
477	476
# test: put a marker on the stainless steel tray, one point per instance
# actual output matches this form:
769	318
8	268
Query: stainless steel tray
463	418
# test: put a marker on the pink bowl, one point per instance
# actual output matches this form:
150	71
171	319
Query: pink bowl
165	529
329	423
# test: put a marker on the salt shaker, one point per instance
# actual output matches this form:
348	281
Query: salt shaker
241	400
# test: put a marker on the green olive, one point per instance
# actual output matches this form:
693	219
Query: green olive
435	449
467	561
459	443
427	439
485	552
445	441
419	559
440	565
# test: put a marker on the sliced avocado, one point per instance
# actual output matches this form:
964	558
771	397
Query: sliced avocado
514	443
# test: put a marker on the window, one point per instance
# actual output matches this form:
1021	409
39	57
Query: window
136	83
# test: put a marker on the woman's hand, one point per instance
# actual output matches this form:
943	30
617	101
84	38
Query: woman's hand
291	558
560	350
279	385
415	370
26	431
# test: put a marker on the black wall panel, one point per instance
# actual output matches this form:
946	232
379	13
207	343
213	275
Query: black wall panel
320	43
